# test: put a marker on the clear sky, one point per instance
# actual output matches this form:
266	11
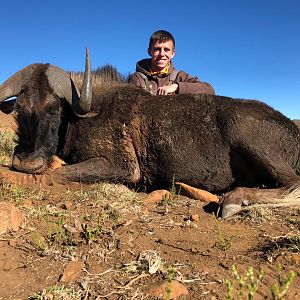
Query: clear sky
245	49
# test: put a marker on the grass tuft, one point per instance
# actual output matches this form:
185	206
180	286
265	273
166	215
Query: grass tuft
58	292
7	146
223	242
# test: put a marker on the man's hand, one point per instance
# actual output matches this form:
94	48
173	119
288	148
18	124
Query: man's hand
167	89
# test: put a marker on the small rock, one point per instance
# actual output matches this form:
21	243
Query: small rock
176	288
13	243
56	163
72	271
295	258
157	196
70	229
48	296
196	193
194	217
67	204
78	225
28	203
10	217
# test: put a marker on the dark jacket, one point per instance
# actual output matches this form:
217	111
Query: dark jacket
186	83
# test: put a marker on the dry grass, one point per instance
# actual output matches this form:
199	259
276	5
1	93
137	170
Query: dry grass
288	242
7	145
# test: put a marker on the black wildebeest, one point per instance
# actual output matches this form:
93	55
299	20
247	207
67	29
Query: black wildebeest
116	132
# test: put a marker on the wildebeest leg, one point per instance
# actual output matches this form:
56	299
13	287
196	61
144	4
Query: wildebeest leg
277	171
99	169
233	201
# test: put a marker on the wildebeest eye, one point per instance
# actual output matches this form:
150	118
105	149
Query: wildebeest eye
8	106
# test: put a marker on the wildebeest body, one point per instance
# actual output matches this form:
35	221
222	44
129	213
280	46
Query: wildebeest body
207	141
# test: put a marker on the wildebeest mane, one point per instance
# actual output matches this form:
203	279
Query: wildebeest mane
106	75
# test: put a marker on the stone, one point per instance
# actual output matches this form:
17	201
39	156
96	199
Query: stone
194	217
176	288
28	203
13	243
56	163
157	196
10	217
295	259
197	194
72	271
67	204
48	296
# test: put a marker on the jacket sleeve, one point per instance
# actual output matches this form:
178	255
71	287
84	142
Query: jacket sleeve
134	79
192	85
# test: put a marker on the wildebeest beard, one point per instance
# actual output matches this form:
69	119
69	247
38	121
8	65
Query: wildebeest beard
37	140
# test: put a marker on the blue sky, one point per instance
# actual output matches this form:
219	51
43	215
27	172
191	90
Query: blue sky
245	49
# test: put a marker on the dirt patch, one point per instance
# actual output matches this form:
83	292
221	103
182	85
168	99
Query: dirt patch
128	245
7	121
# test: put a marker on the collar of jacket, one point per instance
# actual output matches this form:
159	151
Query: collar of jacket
164	71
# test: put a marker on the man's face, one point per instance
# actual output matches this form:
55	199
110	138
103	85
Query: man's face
161	54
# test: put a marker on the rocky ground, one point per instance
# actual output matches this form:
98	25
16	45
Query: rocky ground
105	241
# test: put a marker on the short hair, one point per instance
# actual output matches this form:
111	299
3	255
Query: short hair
161	36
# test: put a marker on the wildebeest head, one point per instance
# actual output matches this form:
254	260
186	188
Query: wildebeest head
42	90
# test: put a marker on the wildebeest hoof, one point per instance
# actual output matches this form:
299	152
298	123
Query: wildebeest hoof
229	210
29	165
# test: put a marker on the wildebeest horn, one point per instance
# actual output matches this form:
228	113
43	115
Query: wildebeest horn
86	91
64	87
13	85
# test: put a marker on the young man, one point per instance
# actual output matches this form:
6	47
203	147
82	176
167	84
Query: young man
158	75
